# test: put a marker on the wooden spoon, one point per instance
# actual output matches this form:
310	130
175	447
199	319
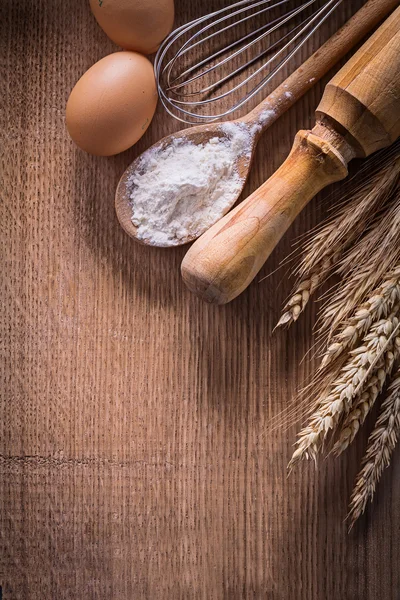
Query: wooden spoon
260	118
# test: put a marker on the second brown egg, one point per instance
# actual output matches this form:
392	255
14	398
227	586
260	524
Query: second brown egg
139	25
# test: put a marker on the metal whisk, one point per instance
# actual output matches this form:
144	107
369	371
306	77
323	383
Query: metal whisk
197	85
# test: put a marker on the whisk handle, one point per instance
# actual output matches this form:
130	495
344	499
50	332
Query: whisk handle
222	263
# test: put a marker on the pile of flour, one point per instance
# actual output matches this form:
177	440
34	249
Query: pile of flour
180	191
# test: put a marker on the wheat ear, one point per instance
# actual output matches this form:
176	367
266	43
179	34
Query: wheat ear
327	245
304	290
364	403
353	377
378	305
381	444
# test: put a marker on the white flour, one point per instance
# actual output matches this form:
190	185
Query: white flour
179	192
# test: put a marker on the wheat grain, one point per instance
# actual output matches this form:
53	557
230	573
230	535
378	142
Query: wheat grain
381	444
353	377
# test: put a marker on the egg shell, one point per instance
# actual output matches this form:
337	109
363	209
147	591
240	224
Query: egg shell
139	25
112	104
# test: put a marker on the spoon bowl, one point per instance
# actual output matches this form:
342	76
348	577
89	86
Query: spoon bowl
199	136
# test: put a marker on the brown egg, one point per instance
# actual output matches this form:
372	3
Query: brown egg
139	25
112	104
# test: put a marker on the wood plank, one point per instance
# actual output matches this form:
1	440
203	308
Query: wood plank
135	455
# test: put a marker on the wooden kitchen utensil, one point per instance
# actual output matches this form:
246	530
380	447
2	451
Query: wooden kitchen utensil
358	114
258	120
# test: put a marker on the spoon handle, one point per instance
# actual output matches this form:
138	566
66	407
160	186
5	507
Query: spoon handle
359	113
319	63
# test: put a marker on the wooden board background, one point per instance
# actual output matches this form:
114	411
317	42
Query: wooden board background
135	456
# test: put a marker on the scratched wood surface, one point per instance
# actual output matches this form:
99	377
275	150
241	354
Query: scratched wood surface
135	456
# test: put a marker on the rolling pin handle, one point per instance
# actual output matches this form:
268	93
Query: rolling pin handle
224	260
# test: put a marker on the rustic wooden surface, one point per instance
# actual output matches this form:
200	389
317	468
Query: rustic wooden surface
135	456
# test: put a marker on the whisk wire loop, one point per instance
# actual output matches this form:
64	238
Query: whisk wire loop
178	88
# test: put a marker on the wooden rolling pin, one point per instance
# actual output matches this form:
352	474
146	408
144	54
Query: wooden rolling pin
358	114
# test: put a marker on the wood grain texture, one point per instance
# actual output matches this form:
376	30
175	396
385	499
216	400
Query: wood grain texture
135	456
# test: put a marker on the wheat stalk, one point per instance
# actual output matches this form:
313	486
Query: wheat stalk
357	212
381	444
360	327
378	305
353	377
